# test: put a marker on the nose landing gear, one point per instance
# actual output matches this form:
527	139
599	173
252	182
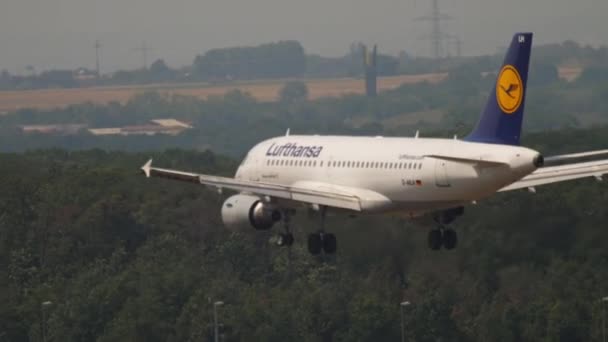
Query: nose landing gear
317	242
322	241
286	239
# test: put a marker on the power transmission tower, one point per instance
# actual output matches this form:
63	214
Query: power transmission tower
437	35
97	61
457	42
144	49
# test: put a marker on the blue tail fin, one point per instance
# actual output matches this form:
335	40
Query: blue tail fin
500	122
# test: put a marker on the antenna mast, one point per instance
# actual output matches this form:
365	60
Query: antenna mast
97	61
144	49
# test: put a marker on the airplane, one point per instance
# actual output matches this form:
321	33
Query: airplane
412	177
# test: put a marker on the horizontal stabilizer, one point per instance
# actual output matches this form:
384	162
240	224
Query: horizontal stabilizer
573	156
562	173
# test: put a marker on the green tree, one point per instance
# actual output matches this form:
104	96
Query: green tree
293	92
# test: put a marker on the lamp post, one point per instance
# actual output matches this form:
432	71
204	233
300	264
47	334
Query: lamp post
43	307
402	306
215	325
604	302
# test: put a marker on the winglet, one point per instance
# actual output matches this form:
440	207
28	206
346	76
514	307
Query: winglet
146	168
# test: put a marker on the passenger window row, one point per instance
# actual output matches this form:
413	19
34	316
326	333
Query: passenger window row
345	164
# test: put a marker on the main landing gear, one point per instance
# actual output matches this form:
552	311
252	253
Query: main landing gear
317	242
442	236
447	238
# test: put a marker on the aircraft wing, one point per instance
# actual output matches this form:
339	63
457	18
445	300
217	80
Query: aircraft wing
562	173
305	192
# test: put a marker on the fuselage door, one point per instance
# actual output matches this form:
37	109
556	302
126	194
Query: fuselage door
441	173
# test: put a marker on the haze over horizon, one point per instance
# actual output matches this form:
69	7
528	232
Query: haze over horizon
62	33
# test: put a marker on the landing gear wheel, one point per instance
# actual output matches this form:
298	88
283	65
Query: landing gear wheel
330	243
315	244
285	240
450	239
435	239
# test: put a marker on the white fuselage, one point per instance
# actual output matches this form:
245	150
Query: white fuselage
408	175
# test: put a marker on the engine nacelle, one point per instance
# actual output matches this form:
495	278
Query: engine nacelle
245	211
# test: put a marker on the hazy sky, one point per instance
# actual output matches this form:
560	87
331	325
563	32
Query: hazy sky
61	33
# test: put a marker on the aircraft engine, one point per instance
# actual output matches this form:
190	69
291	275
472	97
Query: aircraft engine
245	211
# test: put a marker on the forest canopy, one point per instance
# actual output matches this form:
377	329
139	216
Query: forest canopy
122	257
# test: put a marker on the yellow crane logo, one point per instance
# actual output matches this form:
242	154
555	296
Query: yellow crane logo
509	89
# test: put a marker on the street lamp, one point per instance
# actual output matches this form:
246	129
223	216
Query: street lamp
403	305
43	307
604	301
215	325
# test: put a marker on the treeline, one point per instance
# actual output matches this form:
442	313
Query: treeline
157	72
288	59
276	60
46	79
116	256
